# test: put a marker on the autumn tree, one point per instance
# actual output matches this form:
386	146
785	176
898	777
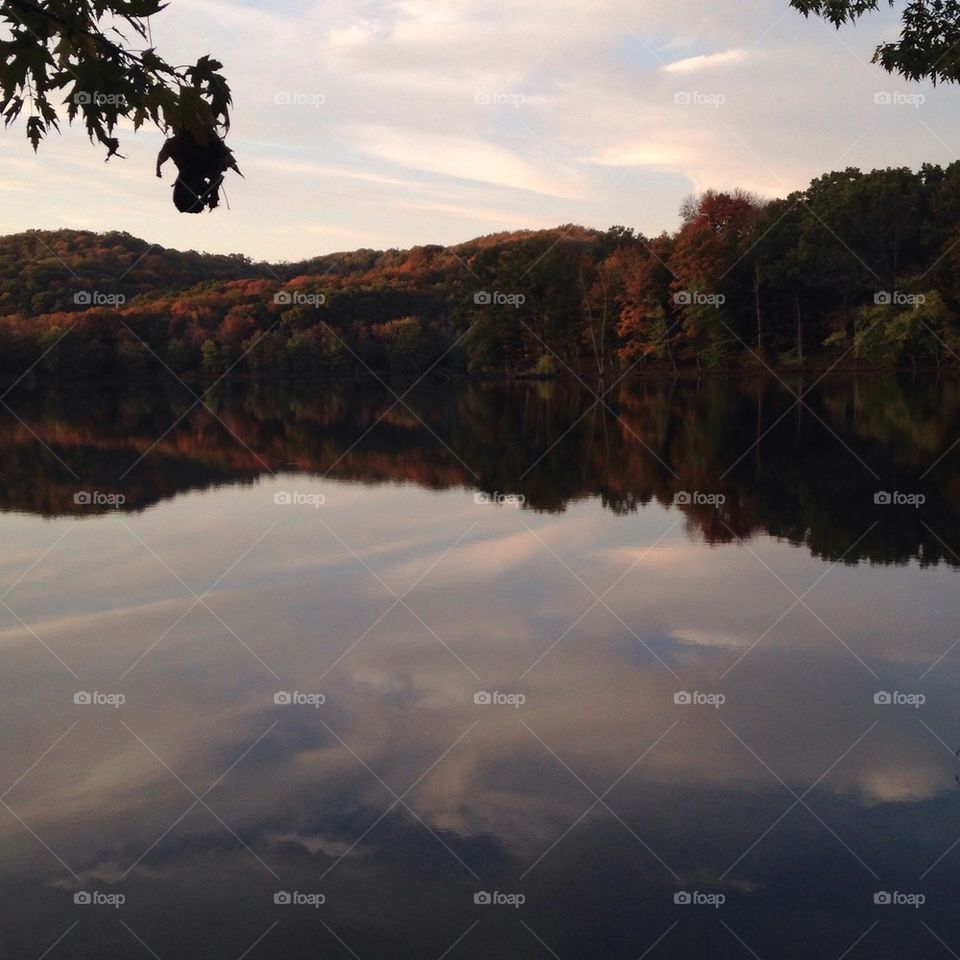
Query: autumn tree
646	321
86	50
716	283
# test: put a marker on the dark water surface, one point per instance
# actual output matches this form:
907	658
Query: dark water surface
687	611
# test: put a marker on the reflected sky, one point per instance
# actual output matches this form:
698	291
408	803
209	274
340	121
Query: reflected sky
784	788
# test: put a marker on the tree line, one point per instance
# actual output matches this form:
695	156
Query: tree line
857	269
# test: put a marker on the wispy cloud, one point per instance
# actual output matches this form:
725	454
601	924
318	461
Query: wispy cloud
557	112
710	61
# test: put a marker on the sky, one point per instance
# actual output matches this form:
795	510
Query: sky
391	123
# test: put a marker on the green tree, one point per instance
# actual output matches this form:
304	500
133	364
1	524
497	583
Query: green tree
929	44
211	358
921	331
787	289
177	357
404	343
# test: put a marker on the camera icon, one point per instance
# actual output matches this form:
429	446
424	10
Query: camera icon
82	97
283	698
682	698
482	898
882	698
682	498
83	298
82	498
682	898
483	298
283	498
882	98
883	299
282	98
882	498
283	297
482	698
82	897
882	898
683	299
282	897
82	698
683	98
483	97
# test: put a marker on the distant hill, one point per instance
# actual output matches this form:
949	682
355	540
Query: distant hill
130	306
40	270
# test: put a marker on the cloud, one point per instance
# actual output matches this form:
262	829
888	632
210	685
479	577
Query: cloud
580	122
706	62
465	158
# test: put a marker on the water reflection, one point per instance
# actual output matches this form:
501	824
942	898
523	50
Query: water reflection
797	799
807	471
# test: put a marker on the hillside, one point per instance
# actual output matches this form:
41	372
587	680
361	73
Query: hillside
858	268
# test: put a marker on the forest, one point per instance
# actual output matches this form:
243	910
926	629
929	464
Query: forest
859	270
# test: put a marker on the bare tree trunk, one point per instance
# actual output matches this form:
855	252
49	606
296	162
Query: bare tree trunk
756	301
759	423
588	310
796	304
603	325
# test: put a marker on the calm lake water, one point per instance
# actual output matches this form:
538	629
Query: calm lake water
482	672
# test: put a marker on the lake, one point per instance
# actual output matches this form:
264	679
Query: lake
483	671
